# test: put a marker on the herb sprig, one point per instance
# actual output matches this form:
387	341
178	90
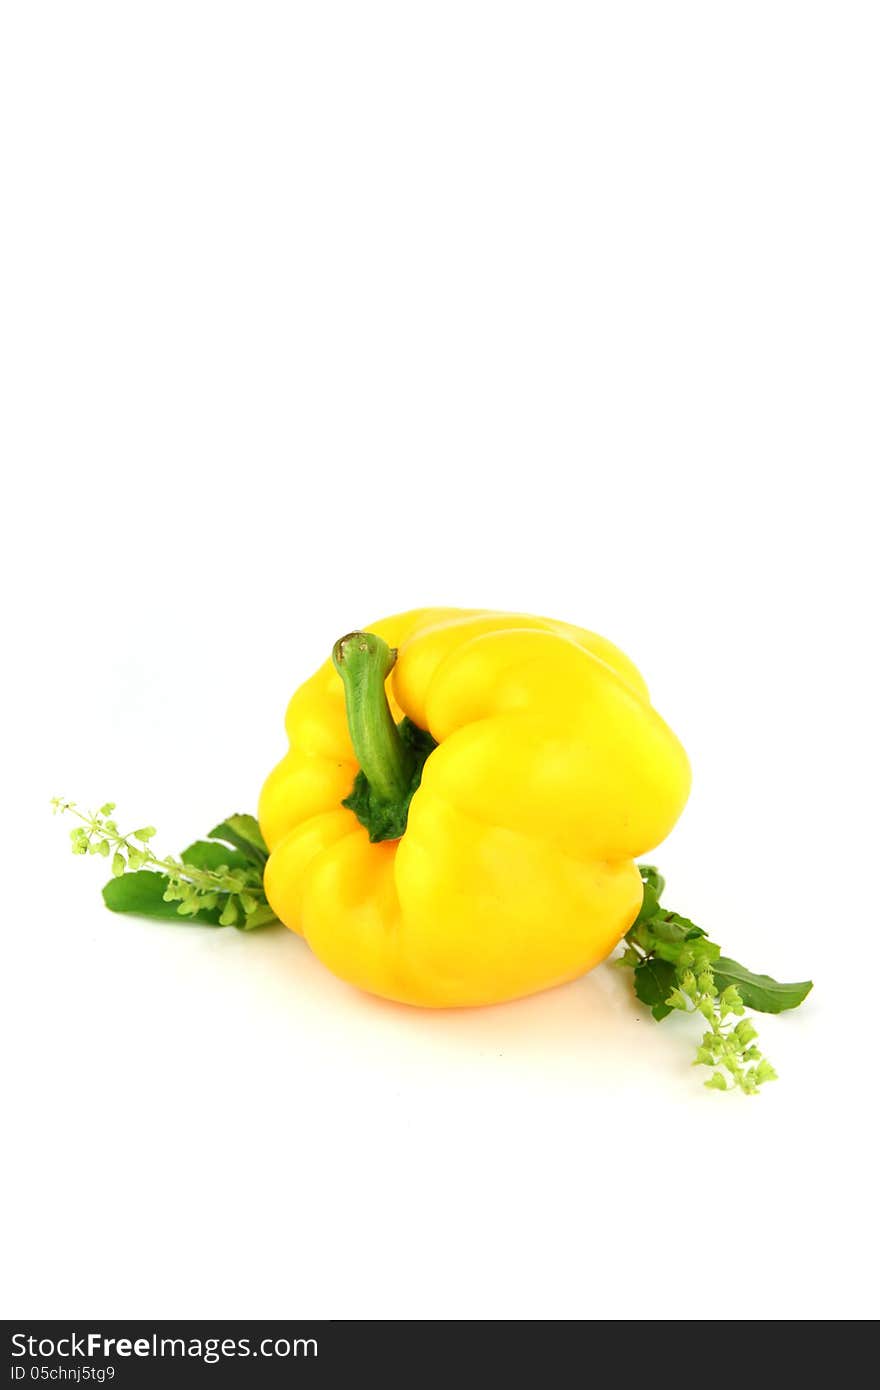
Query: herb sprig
677	967
217	881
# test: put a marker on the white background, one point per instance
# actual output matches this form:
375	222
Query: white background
314	312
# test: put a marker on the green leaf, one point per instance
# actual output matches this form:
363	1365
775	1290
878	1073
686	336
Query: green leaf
243	833
675	921
671	927
143	893
205	854
653	877
681	952
759	992
654	982
653	884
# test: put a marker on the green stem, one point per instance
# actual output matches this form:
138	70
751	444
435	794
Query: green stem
364	661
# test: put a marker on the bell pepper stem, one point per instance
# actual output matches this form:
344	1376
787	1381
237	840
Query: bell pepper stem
364	662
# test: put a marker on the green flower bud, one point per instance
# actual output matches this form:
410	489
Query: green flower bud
746	1031
764	1072
118	865
677	1000
145	833
716	1082
108	807
688	984
229	915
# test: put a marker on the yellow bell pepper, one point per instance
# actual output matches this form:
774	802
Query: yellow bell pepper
457	819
